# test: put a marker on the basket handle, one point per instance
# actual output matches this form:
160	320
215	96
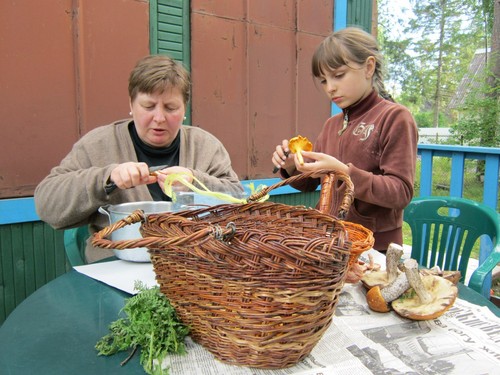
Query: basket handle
326	196
99	238
331	177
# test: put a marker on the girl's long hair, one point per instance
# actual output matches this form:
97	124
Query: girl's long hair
342	47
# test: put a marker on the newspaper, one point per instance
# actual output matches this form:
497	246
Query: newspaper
466	339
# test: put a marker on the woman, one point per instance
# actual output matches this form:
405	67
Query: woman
110	164
373	140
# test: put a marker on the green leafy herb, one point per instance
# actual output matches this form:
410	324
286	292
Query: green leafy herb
409	294
152	324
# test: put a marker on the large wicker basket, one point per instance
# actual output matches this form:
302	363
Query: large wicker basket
257	283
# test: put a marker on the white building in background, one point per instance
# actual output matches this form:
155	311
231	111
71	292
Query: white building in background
433	135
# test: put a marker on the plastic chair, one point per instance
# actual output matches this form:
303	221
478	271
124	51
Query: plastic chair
444	231
75	241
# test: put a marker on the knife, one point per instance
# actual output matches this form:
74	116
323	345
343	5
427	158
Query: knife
153	171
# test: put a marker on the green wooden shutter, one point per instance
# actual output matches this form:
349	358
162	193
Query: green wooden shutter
359	13
170	32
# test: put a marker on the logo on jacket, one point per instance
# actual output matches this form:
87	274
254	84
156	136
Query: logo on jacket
363	130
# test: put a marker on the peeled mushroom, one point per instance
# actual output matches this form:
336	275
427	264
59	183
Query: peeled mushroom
298	144
429	296
379	298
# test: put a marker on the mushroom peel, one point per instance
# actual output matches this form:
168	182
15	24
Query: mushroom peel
380	277
378	297
298	144
429	297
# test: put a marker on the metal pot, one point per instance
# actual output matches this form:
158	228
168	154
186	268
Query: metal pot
120	211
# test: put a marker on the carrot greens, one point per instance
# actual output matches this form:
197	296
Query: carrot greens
151	324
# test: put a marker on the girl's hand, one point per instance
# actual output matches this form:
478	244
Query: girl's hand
315	161
282	157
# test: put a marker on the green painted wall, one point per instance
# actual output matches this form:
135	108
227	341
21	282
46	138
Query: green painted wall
31	254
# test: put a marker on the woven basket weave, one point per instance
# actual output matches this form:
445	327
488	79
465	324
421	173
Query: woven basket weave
257	283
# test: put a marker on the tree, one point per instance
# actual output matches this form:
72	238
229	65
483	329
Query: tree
449	37
429	58
479	123
493	80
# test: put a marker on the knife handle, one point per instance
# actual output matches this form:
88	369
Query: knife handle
109	188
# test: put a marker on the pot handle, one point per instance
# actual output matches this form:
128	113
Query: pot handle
104	210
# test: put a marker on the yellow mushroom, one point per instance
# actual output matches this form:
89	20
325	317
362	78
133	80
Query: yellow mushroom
298	144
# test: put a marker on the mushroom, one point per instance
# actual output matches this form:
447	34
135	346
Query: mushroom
453	276
382	278
379	297
298	144
429	297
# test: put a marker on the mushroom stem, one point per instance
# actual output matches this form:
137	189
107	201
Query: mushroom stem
398	286
413	276
300	157
393	255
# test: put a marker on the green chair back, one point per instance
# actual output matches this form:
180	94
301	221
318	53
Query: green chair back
444	231
75	241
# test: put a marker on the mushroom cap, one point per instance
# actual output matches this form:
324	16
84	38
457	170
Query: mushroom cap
374	278
444	294
300	143
453	276
375	300
379	277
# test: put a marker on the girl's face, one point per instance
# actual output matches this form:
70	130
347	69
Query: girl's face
348	84
158	117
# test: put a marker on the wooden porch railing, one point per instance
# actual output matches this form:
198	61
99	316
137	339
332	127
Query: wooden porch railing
458	156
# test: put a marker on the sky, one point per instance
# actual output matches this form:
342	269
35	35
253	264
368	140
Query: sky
398	11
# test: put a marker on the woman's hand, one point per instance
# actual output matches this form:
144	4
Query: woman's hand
187	174
315	161
130	174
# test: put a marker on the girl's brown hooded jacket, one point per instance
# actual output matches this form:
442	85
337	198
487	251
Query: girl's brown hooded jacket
379	146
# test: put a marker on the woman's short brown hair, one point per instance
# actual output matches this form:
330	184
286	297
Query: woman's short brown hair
157	73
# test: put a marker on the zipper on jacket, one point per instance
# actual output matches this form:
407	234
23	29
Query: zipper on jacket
345	123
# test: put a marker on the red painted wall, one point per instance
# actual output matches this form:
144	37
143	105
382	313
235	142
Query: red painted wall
65	63
250	63
64	69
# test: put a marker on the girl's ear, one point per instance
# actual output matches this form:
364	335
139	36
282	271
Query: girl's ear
370	67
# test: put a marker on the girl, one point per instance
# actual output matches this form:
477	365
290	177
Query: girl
373	140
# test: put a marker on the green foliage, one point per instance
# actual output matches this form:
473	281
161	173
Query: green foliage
479	121
425	119
427	60
151	323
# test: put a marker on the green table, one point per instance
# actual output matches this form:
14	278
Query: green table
55	329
